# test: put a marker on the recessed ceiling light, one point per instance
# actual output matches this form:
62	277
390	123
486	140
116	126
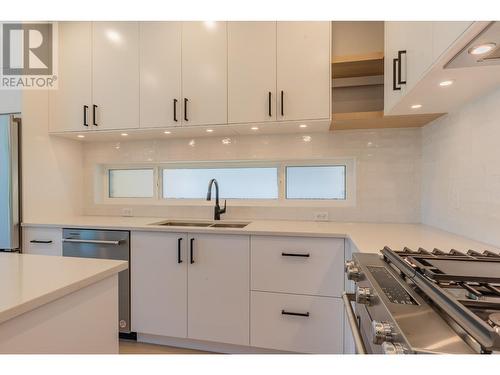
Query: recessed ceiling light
167	132
448	82
124	134
302	126
481	49
209	130
254	128
416	106
306	138
226	141
80	136
192	142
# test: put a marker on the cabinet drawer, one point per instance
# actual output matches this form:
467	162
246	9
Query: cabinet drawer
299	265
42	241
274	327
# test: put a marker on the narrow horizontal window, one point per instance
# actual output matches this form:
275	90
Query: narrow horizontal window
234	183
316	182
131	183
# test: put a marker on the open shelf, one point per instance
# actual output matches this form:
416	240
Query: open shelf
370	64
377	120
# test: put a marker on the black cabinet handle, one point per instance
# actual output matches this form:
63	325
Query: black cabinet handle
179	242
306	255
269	103
394	73
191	247
282	106
41	241
400	60
186	109
175	110
283	312
94	108
85	109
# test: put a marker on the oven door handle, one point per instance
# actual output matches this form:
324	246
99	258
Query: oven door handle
95	242
353	322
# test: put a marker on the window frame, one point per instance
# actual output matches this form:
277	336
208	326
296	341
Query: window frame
281	201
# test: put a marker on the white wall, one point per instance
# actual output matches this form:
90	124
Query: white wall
387	167
51	166
461	171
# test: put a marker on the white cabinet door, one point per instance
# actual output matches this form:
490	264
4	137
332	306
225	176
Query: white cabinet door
204	73
219	288
445	33
303	70
158	267
418	51
160	74
251	72
115	75
70	105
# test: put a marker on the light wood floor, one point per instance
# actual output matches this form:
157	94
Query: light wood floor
133	347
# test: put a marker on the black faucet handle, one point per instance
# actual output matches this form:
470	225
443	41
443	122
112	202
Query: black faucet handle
223	210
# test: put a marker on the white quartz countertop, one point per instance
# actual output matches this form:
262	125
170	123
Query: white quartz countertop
30	281
366	237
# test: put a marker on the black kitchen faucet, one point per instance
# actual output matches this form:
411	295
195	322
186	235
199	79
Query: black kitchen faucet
217	209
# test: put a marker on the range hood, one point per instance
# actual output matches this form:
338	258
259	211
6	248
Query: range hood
483	50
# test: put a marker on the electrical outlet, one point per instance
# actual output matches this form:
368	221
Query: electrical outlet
321	216
126	212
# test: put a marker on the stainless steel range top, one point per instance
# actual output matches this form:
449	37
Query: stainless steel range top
425	302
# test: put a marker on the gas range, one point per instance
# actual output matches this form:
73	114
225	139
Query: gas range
425	301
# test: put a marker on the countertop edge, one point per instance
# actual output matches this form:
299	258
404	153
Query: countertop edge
37	302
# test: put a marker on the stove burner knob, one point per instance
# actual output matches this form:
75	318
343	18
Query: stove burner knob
382	332
348	264
364	296
394	348
353	272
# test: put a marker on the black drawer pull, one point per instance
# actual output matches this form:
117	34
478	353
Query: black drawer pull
306	255
186	109
179	242
191	250
394	75
284	312
85	109
94	115
400	61
175	110
269	109
41	241
282	105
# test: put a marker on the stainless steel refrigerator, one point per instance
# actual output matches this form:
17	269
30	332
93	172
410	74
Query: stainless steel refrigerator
10	208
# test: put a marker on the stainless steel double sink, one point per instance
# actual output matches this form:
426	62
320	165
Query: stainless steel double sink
201	224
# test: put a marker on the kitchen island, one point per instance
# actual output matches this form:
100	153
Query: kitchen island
58	305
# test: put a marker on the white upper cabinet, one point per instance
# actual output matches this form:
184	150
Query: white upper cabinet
204	73
411	49
303	70
70	105
115	75
251	72
160	74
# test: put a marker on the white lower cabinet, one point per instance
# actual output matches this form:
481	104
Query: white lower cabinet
194	286
218	288
296	323
42	241
158	266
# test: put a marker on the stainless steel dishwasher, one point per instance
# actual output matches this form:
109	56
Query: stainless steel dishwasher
104	244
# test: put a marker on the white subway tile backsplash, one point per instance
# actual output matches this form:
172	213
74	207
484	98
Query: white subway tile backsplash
387	166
